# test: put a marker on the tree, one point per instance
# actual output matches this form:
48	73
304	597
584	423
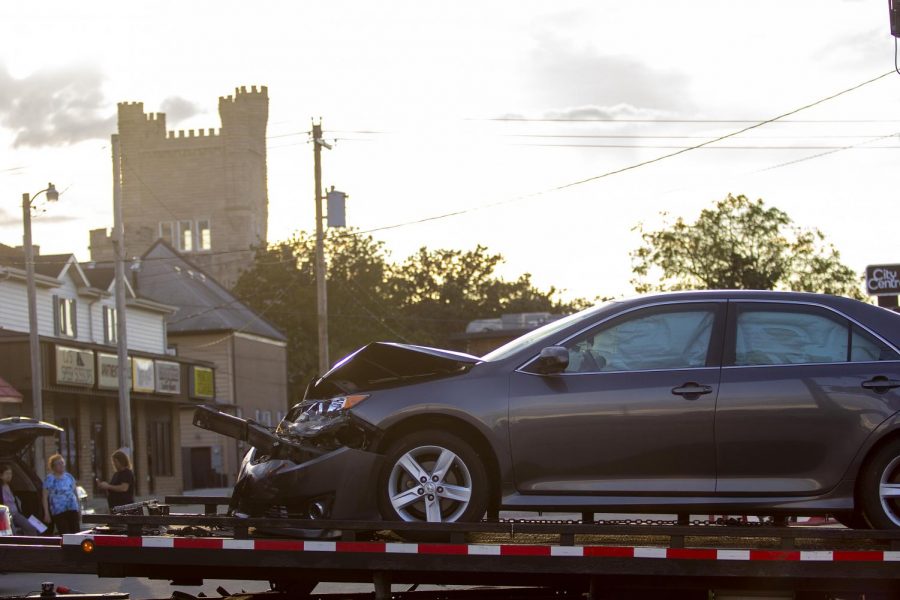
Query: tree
281	287
741	244
439	291
426	299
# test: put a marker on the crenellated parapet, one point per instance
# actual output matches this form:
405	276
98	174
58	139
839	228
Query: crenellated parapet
203	190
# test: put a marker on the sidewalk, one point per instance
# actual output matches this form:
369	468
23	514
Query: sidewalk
98	502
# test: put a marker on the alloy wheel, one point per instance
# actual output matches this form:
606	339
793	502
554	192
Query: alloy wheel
889	490
430	483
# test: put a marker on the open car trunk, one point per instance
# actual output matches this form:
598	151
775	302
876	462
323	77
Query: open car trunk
18	433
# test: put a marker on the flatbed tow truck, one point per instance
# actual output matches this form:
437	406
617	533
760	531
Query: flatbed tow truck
534	558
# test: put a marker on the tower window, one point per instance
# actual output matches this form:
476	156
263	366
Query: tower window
186	236
204	237
167	232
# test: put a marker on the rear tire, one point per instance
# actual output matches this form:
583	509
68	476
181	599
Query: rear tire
432	476
881	487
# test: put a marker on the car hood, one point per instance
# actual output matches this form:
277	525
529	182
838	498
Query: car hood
383	364
17	433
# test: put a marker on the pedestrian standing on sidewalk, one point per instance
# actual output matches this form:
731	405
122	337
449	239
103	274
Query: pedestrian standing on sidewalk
60	499
120	489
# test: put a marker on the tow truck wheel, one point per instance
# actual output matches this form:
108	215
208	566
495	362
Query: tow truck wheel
881	487
432	477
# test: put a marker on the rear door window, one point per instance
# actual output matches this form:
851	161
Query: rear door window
787	334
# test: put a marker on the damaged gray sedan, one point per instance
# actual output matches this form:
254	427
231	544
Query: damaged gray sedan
726	402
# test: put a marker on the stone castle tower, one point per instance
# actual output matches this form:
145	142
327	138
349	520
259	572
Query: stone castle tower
202	191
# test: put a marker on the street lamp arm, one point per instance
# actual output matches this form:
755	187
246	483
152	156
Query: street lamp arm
50	190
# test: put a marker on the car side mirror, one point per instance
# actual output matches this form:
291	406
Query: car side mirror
553	360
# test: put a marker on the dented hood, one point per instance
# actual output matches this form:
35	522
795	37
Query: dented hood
382	364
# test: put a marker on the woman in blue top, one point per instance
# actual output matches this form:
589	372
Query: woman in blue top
60	499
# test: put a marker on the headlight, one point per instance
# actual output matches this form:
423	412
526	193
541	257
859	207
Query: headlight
345	402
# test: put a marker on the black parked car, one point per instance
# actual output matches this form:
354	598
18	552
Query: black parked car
727	402
17	435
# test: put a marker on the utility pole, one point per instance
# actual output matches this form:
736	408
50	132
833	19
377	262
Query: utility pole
121	341
321	289
34	343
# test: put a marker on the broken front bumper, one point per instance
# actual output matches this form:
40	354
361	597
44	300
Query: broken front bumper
298	477
337	485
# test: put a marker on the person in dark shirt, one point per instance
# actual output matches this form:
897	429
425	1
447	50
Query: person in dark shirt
120	489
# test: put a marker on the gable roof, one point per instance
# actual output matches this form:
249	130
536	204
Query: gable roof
50	265
54	266
203	304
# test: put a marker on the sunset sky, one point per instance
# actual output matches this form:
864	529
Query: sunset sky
488	109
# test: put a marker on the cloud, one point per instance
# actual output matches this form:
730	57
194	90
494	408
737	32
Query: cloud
178	109
593	113
53	107
863	49
564	75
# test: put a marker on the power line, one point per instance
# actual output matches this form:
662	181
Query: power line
720	121
629	167
659	147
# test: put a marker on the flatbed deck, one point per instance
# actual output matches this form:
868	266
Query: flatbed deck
564	555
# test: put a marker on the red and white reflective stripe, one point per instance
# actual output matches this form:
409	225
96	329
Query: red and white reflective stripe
121	541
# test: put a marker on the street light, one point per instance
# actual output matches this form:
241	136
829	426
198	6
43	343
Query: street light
37	406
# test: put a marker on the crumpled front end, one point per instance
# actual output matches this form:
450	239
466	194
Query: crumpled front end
319	462
315	466
336	485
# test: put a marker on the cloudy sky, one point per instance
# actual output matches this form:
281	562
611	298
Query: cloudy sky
486	109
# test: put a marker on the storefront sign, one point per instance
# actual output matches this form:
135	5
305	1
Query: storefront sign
168	377
144	381
108	371
883	280
202	383
74	366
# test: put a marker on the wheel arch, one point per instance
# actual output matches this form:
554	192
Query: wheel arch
888	437
465	430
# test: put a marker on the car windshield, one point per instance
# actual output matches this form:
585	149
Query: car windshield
510	348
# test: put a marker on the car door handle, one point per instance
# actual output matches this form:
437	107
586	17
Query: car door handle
880	384
692	391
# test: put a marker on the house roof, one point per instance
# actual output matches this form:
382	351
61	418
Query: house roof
100	275
204	305
51	265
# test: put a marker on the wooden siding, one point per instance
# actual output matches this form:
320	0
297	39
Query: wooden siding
146	329
212	347
260	375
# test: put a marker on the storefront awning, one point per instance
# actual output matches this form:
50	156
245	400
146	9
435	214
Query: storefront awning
9	394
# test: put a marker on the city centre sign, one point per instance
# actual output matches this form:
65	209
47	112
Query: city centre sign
883	280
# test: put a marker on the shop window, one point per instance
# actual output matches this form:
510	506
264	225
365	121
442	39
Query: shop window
65	317
159	444
67	442
110	326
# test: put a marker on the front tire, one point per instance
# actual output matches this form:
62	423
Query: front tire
881	488
432	476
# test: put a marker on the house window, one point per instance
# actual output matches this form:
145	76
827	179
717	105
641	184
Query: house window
186	236
204	237
167	232
110	326
65	317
